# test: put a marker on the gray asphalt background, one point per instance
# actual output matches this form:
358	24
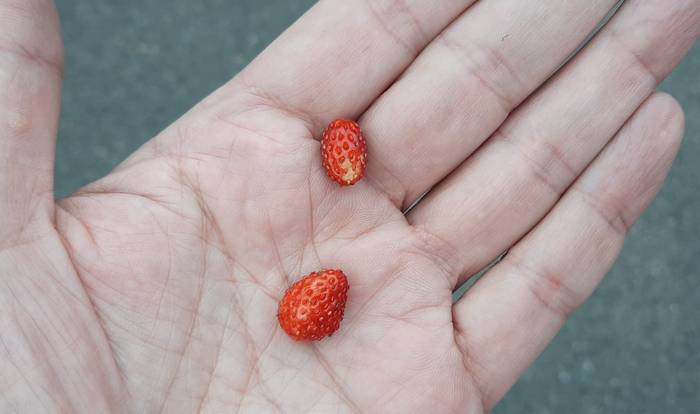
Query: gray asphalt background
135	66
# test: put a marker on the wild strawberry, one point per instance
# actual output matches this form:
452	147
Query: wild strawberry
313	306
344	151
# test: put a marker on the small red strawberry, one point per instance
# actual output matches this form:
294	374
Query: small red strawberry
344	151
313	306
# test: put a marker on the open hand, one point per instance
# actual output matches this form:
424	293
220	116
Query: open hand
156	288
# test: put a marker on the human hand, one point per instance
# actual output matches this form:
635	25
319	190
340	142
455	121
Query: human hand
156	288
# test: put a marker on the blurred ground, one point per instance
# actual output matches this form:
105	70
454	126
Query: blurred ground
134	66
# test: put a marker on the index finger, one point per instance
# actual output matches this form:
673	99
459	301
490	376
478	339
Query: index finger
340	55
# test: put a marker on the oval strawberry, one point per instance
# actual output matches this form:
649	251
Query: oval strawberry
344	151
313	307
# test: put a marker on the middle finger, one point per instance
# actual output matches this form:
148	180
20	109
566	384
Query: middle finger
464	84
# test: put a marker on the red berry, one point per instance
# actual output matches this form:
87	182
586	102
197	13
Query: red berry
313	306
344	151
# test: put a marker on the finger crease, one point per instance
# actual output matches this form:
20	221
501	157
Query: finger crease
544	168
397	9
27	55
494	60
611	211
548	288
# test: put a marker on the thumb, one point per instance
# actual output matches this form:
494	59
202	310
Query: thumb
31	68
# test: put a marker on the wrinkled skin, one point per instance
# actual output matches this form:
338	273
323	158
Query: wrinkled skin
156	287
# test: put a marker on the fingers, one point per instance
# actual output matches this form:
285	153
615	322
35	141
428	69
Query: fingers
513	180
31	65
464	84
341	55
504	322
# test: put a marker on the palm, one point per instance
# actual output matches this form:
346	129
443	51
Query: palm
159	283
218	245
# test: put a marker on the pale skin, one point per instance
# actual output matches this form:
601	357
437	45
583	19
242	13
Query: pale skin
155	289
